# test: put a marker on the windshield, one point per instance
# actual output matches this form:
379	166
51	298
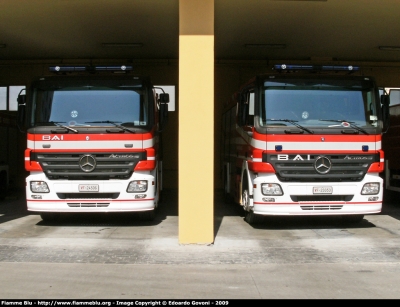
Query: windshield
90	106
316	103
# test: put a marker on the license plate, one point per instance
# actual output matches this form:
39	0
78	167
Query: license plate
88	188
322	190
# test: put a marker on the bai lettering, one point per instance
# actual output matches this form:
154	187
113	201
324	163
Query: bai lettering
52	138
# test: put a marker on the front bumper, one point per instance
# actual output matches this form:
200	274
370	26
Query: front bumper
299	199
64	195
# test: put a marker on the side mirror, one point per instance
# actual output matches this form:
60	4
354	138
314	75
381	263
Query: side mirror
385	101
162	103
21	111
163	115
163	98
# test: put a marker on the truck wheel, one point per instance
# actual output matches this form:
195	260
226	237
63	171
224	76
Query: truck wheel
49	216
250	216
352	219
253	218
148	215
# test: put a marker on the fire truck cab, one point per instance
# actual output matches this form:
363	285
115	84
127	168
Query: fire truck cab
93	141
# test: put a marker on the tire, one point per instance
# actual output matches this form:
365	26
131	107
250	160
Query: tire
352	219
250	217
148	215
253	218
49	216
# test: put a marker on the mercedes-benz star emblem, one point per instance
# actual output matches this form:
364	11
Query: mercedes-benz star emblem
322	165
87	163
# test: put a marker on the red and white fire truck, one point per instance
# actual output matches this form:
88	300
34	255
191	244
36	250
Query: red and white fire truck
93	141
302	140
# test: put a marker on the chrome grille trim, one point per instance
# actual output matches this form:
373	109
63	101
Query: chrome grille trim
344	168
83	195
66	165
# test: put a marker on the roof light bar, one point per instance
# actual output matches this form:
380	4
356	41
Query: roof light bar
316	67
90	68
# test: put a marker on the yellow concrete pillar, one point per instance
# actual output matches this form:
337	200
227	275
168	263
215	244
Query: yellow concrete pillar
196	122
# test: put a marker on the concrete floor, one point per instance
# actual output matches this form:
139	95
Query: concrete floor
114	256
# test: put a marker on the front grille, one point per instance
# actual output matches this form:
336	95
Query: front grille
300	168
321	198
111	165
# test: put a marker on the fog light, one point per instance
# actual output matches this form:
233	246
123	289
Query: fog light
370	188
266	199
136	186
36	196
373	198
271	189
140	196
39	187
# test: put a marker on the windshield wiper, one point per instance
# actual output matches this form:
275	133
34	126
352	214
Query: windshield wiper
343	124
293	122
113	123
59	125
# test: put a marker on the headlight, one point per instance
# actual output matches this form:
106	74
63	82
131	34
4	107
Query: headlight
39	187
271	189
136	186
370	188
